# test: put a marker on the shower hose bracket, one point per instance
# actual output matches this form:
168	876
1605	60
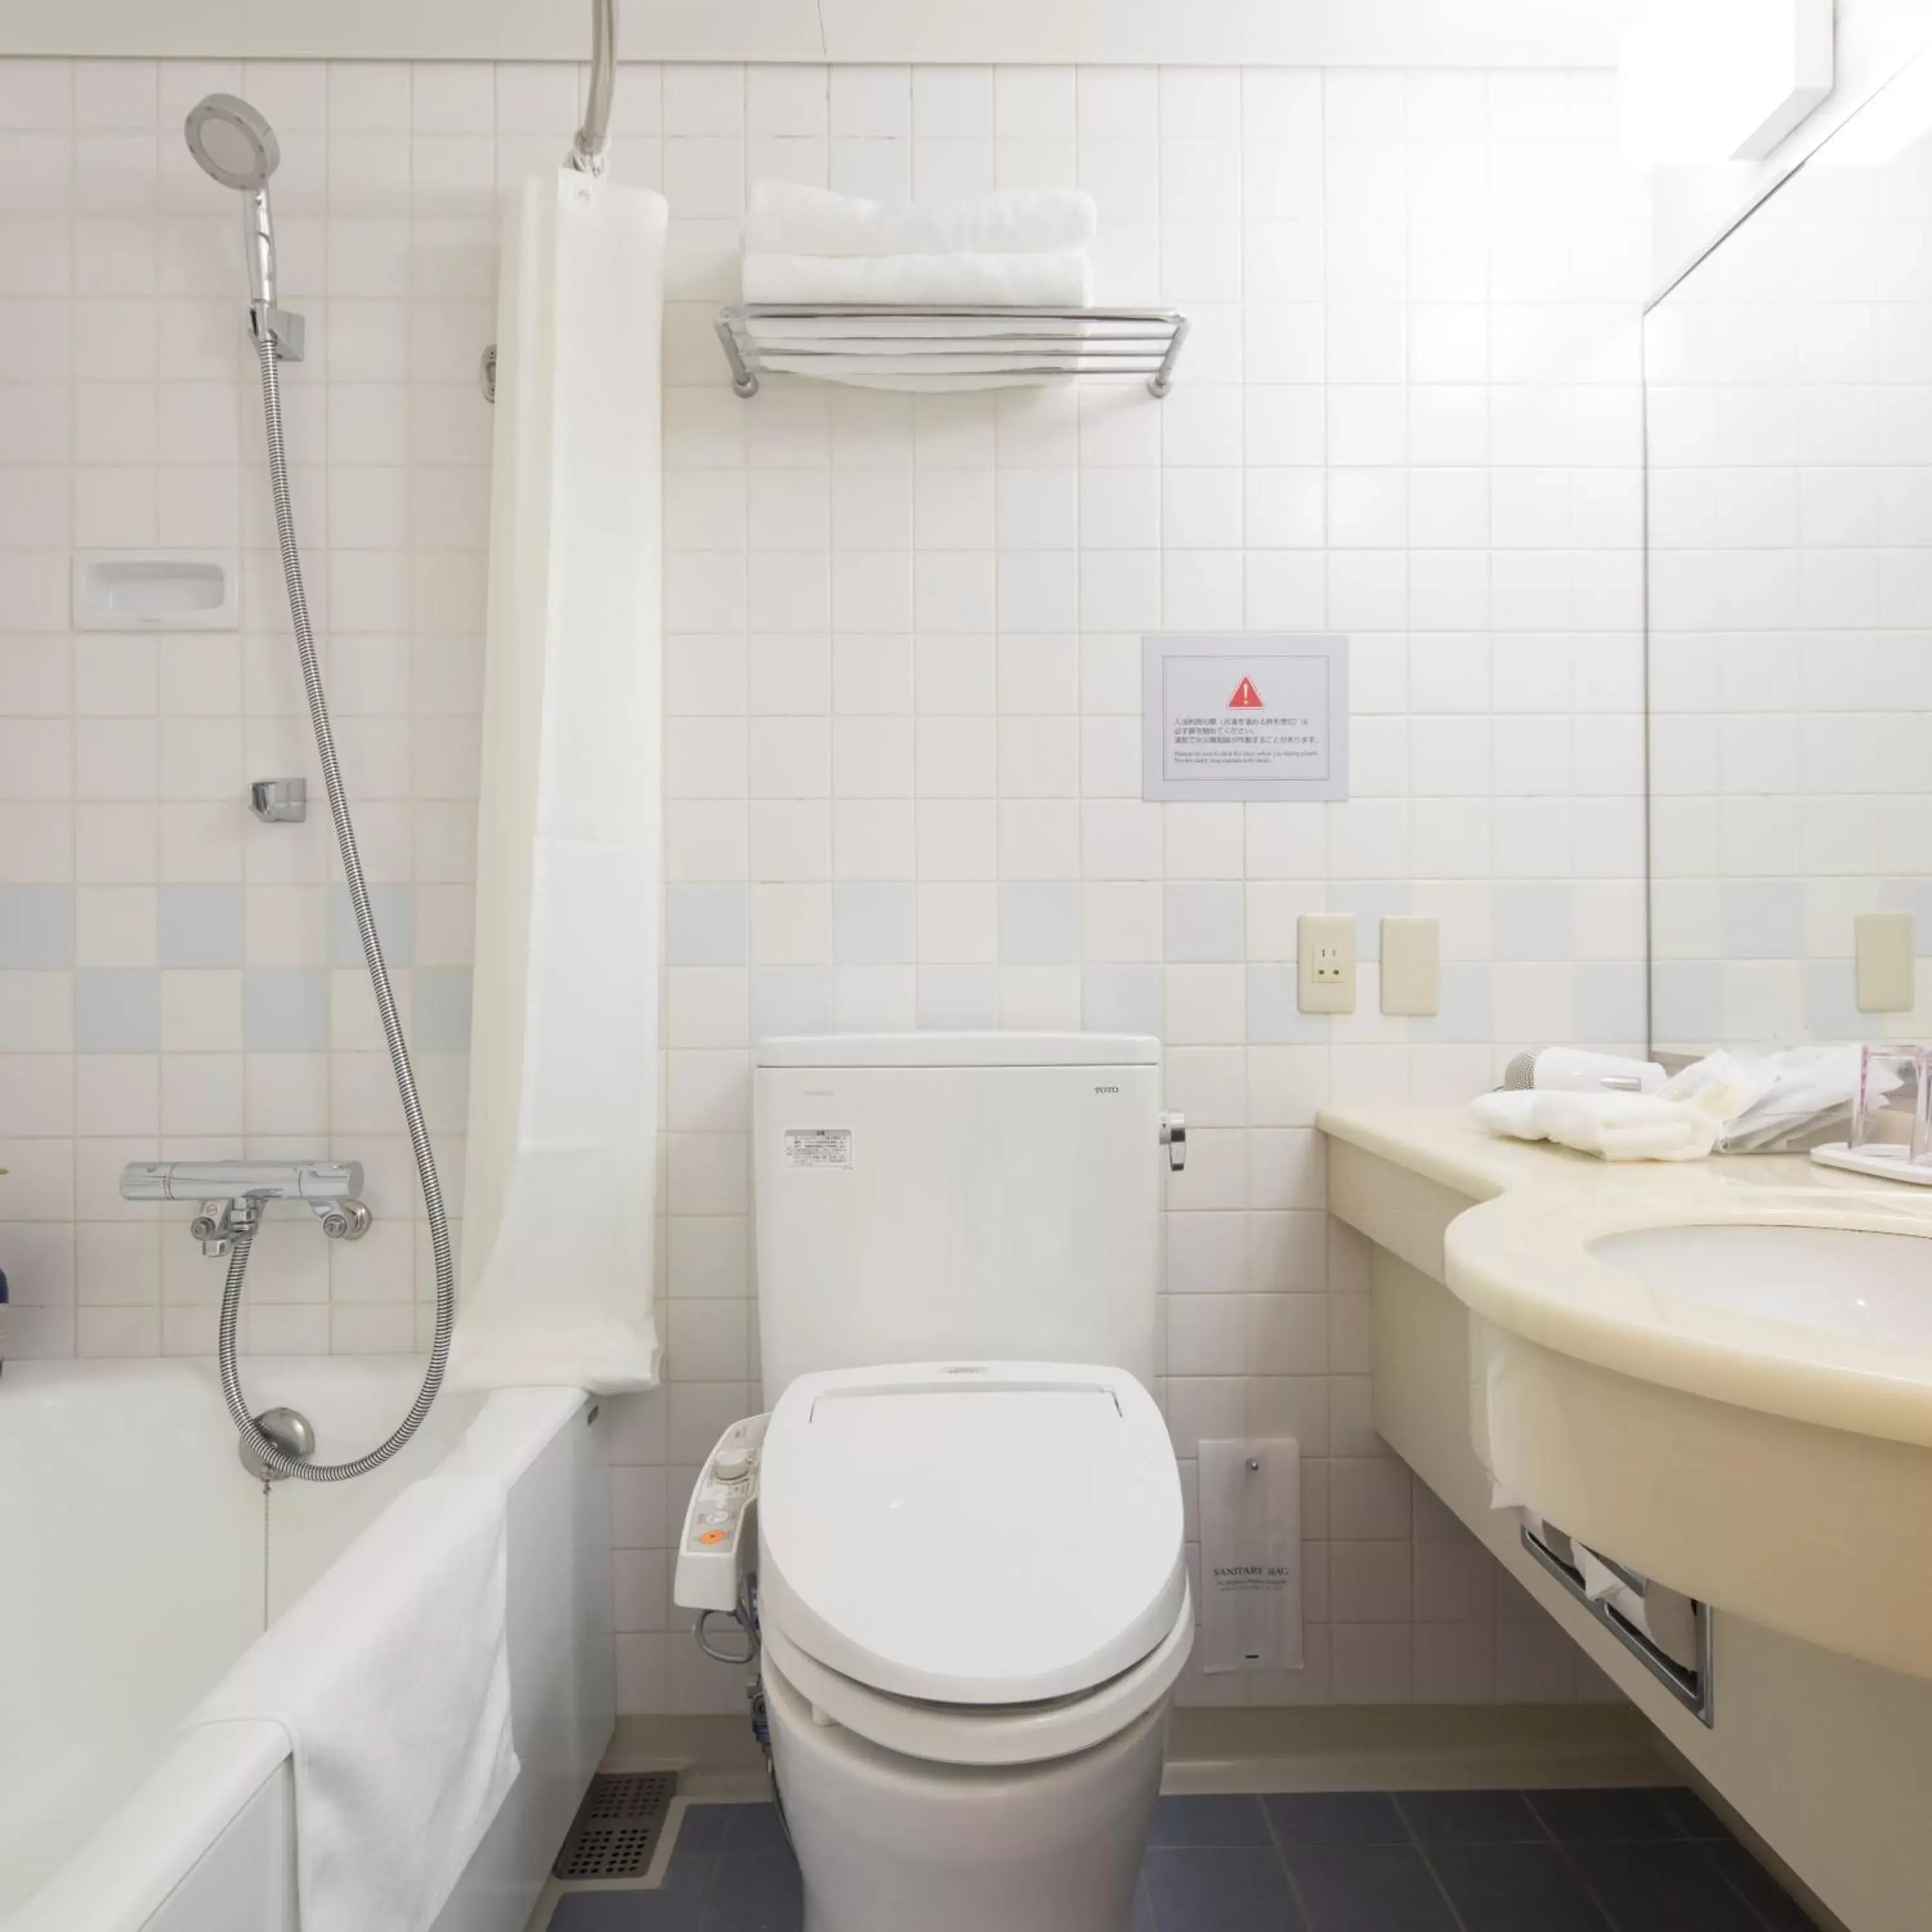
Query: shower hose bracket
282	327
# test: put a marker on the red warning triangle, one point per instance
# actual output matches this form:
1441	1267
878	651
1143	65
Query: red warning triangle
1246	698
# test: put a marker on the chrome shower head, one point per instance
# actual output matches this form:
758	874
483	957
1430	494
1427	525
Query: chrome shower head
233	143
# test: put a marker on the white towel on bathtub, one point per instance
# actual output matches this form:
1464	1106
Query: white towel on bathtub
391	1676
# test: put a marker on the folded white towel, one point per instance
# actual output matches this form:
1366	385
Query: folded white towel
867	376
787	219
830	328
1060	278
1617	1126
390	1677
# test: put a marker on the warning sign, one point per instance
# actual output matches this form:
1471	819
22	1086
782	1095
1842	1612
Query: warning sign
1239	717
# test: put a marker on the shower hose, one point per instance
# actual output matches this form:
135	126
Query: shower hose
277	1461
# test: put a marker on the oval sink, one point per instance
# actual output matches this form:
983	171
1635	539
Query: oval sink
1849	1281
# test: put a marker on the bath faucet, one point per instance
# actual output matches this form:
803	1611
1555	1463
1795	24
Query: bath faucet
231	1192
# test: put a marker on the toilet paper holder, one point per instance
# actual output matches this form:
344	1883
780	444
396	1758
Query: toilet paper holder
1694	1688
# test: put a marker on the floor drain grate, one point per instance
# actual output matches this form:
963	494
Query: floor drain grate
617	1826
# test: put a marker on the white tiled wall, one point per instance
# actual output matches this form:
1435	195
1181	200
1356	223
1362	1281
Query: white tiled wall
901	652
1791	675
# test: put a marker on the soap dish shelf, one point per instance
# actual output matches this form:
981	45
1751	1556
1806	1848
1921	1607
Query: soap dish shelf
1885	1159
1025	345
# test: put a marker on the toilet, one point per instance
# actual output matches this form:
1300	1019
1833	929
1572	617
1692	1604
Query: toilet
972	1592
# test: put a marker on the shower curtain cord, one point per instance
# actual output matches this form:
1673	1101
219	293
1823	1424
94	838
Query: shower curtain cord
276	1460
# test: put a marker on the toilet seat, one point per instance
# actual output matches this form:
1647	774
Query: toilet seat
987	1734
972	1535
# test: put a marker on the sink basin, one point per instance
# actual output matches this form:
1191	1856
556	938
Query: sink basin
1849	1282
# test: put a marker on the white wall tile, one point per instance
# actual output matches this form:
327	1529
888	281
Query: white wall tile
902	658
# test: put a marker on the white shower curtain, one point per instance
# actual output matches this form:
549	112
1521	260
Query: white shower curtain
560	1186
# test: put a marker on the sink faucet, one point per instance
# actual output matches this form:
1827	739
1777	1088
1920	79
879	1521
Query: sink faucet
231	1193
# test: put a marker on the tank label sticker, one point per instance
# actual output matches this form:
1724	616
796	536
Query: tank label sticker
818	1146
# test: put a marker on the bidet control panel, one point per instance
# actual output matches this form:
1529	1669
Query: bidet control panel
715	1550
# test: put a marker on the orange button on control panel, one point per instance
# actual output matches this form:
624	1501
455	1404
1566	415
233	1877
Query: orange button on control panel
711	1536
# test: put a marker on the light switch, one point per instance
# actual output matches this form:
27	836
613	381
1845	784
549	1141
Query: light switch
1325	959
1884	944
1412	966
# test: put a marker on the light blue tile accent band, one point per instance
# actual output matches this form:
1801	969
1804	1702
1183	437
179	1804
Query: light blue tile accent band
443	1008
395	907
704	926
36	927
117	1010
200	926
286	1010
872	925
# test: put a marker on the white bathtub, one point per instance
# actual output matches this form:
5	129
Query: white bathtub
138	1561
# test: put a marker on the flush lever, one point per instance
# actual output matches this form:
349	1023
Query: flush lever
1173	1138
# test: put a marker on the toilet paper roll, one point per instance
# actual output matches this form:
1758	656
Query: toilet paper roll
1250	1556
1667	1616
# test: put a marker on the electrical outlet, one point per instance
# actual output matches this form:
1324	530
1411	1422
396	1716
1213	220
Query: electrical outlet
1325	956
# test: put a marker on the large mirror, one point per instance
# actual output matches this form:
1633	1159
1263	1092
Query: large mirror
1789	399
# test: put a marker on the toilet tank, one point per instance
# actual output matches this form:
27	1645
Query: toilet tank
931	1196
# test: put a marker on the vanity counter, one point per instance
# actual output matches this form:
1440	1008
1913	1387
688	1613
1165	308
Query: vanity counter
1518	1254
1778	1474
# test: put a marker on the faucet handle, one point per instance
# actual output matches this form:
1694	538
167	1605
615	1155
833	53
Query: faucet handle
215	1227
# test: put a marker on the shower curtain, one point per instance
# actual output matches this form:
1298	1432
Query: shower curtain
559	1184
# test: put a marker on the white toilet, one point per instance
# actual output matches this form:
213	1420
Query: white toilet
973	1594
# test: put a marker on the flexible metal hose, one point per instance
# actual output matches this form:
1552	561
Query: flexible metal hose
282	1465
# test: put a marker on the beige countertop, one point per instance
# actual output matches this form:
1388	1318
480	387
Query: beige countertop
1519	1257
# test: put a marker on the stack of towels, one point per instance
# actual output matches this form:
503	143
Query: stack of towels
1022	247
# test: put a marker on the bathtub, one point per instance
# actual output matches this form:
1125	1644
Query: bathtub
139	1561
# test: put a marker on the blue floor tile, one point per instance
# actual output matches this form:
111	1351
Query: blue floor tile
754	1828
1368	1888
703	1828
1632	1861
1209	1821
1503	1887
754	1892
1336	1818
1690	1817
677	1907
1761	1891
1666	1886
1471	1817
1232	1888
1576	1815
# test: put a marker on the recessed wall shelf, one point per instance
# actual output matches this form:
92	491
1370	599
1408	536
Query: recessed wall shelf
945	348
154	590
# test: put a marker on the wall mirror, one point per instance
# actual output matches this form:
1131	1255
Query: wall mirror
1788	381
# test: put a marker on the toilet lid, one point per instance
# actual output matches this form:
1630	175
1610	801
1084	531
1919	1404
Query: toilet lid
980	1533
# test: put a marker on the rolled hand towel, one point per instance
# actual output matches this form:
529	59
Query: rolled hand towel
787	219
1061	279
1617	1126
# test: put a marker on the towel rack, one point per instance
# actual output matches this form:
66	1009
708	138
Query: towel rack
1025	344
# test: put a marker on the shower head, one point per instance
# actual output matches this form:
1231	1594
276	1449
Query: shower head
233	143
